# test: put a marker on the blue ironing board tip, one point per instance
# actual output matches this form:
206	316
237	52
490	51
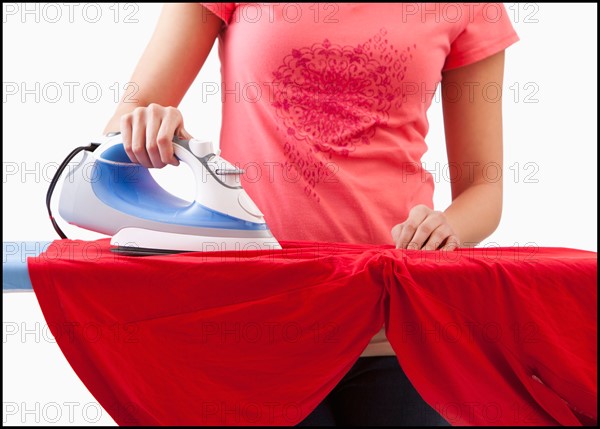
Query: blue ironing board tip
15	275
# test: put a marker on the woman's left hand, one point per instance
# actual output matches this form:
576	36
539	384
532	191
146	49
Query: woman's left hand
425	229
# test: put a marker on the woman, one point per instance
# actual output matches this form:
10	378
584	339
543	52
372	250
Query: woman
328	103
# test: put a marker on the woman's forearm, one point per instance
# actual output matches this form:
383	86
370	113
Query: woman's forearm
475	213
183	38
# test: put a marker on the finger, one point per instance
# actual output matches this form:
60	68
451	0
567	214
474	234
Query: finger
138	138
406	234
152	144
170	123
125	126
409	227
452	243
395	232
437	237
153	122
425	229
181	132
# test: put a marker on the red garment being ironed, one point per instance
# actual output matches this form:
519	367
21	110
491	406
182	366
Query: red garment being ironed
488	336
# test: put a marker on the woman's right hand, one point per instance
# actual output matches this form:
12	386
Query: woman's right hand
163	75
148	134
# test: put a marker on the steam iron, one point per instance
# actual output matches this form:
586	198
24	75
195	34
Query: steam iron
109	194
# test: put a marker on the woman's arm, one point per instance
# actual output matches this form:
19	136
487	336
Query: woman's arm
182	40
473	128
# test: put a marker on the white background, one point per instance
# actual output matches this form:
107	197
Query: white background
549	133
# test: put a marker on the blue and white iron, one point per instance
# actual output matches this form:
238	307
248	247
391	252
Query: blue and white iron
109	194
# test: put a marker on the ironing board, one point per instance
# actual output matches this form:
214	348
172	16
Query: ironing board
15	275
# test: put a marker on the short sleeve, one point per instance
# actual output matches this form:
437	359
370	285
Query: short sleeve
487	31
222	10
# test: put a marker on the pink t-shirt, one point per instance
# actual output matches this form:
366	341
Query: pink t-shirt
324	106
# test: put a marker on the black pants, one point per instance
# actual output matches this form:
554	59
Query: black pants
375	392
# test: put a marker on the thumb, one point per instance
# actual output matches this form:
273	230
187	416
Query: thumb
181	132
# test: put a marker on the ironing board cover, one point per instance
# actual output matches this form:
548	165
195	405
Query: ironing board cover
488	336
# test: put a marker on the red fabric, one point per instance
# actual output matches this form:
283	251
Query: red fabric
488	336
